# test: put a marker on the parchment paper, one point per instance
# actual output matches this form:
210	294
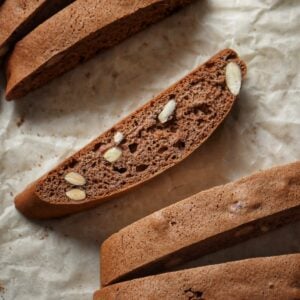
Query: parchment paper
59	259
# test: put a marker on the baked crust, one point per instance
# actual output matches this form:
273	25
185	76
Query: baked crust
269	278
201	224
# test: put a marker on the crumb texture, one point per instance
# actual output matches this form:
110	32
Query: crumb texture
148	147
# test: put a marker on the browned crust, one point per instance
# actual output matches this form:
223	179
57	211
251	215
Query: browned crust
202	224
31	205
17	18
269	278
92	26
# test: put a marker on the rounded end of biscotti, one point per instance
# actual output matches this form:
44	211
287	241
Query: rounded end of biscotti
30	205
97	295
33	207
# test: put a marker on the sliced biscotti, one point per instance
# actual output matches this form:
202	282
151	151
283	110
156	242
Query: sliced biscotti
154	138
19	17
271	278
208	221
75	34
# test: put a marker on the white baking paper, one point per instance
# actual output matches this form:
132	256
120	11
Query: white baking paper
58	259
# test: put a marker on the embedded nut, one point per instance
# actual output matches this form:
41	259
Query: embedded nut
76	194
113	154
118	137
233	76
167	111
75	178
236	207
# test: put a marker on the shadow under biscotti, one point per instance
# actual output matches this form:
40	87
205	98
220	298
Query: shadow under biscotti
281	241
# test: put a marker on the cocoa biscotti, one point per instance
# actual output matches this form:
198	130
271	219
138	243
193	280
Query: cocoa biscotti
206	222
154	138
19	17
75	34
270	278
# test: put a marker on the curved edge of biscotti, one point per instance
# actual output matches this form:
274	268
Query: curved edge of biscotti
32	206
34	17
272	278
20	72
112	249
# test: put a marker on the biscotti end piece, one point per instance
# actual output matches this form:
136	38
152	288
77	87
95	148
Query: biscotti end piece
204	223
17	18
75	34
148	146
271	278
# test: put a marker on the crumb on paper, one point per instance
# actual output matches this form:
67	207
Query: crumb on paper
2	288
20	121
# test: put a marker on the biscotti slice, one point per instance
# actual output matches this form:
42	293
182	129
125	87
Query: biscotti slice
154	138
75	34
271	278
19	17
206	222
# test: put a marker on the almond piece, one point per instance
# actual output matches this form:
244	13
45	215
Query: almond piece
118	137
76	194
75	178
113	154
167	111
233	76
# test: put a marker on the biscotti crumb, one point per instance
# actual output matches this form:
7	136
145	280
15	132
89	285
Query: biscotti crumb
167	112
76	194
233	78
75	178
112	154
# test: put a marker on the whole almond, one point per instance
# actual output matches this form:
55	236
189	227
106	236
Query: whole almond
112	154
75	178
76	194
233	76
167	111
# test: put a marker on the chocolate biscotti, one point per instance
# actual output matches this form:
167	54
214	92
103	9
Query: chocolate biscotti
154	138
206	222
271	278
75	34
19	17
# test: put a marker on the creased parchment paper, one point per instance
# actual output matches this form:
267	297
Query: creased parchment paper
58	259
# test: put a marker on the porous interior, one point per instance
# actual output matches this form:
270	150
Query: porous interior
149	147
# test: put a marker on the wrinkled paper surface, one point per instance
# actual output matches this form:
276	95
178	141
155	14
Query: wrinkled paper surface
58	259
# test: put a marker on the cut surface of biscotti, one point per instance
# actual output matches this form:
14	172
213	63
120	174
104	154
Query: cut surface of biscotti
75	34
201	224
19	17
154	138
271	278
